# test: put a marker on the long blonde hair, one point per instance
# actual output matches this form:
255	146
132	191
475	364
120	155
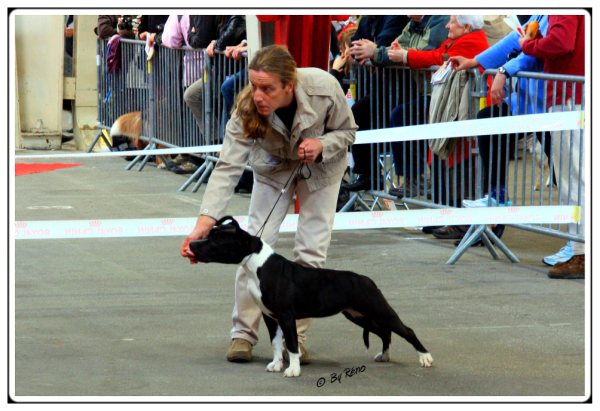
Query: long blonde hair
274	60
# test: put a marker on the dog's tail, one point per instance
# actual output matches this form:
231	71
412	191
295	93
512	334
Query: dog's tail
129	126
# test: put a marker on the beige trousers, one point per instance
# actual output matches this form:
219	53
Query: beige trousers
313	235
569	168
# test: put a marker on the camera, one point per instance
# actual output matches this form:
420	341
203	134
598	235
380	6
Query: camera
125	24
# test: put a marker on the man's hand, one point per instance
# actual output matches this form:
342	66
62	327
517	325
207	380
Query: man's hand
238	51
363	50
497	90
339	63
462	63
397	55
530	34
309	150
229	51
203	226
210	49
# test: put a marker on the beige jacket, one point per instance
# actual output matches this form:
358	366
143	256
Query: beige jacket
322	113
449	102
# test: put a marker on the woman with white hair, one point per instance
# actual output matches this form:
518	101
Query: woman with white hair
465	37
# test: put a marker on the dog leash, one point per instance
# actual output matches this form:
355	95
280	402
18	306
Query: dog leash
296	173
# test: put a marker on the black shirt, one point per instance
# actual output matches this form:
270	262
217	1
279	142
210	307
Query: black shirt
286	114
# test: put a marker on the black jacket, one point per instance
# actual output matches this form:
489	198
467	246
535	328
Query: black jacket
231	32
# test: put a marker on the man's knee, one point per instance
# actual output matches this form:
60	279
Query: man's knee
193	94
227	86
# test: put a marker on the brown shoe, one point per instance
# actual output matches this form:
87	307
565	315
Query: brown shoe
572	269
239	350
304	355
450	232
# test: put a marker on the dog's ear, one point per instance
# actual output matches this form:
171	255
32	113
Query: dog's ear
228	220
225	219
226	224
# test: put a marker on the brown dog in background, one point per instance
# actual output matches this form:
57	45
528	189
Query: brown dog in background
128	127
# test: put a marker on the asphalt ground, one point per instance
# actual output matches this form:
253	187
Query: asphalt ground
128	319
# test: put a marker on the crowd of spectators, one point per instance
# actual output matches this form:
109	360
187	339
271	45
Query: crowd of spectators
458	43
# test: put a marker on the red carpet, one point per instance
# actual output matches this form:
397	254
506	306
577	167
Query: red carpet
27	168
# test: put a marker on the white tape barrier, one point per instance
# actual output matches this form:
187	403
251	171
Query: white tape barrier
133	153
568	120
161	227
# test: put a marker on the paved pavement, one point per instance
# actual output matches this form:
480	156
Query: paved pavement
109	318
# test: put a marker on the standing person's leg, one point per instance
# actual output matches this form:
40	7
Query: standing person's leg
545	139
568	151
494	151
410	157
313	235
399	117
362	153
246	314
230	88
227	90
194	99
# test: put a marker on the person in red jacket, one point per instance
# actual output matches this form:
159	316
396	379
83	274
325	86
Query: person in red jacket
465	37
563	52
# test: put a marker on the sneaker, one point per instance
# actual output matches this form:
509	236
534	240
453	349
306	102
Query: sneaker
497	229
428	229
239	350
564	254
495	198
179	159
573	269
185	168
406	191
411	188
486	201
361	183
450	232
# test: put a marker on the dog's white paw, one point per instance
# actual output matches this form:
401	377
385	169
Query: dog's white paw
383	356
426	360
275	366
292	371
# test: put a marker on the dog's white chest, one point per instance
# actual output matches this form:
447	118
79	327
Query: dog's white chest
252	265
254	290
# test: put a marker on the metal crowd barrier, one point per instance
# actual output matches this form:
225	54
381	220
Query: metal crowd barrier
423	179
535	167
516	163
391	96
157	88
123	90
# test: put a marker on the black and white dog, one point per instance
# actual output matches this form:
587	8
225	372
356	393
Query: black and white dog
286	291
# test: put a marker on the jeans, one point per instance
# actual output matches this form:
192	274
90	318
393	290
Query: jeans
413	152
229	89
